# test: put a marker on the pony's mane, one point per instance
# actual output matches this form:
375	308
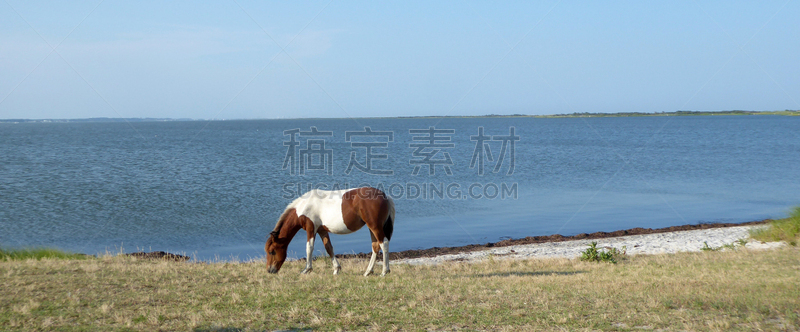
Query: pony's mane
281	220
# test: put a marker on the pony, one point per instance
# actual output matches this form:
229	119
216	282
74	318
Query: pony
338	212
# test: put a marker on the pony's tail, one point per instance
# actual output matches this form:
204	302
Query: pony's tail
388	226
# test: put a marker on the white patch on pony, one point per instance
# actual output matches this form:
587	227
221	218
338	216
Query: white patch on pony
323	208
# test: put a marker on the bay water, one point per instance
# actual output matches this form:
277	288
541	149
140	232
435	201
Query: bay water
214	189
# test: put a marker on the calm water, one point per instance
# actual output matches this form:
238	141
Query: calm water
214	189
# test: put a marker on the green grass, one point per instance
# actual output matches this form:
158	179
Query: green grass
709	291
37	253
787	229
729	246
592	254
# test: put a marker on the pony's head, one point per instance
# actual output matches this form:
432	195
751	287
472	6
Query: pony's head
276	252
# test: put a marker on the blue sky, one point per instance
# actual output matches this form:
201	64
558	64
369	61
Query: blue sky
251	60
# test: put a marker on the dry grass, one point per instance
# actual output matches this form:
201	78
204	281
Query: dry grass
728	290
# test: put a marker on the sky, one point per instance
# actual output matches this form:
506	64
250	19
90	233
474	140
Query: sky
243	59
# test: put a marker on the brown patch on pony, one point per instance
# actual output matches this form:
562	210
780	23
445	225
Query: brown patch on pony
307	225
365	206
350	214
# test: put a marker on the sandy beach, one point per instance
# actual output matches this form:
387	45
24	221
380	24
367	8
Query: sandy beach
645	244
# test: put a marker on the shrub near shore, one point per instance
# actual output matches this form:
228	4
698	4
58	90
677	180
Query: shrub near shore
727	290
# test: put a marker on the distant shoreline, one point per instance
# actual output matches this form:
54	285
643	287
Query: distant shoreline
550	116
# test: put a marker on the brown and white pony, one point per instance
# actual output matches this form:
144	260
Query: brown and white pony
339	212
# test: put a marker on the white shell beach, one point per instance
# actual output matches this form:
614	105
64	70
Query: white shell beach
646	244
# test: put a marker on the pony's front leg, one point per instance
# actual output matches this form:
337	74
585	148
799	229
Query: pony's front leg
309	252
326	240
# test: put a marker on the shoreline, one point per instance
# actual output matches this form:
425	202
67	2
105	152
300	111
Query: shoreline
530	245
541	239
711	239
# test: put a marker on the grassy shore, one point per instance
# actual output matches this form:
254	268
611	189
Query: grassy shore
720	290
786	230
37	253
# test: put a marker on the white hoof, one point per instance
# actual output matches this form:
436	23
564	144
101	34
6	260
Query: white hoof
306	271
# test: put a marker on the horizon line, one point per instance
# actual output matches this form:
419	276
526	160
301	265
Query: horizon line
518	115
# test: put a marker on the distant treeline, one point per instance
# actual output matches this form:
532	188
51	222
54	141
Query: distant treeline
676	113
620	114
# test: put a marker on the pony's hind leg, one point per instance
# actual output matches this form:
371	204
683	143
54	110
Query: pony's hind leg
371	266
326	240
375	248
385	248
